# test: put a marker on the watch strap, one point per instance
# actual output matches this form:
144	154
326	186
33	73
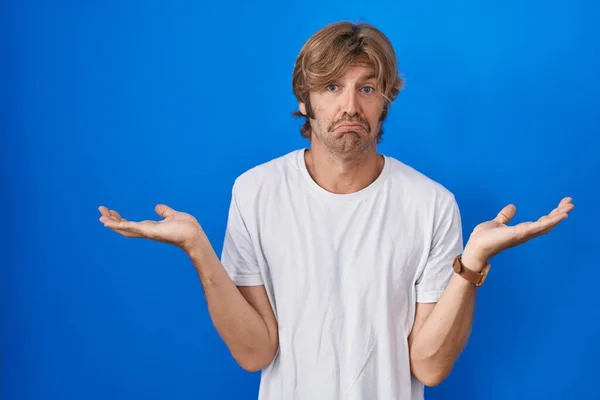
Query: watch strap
477	278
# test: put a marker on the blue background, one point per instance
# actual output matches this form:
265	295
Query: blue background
133	103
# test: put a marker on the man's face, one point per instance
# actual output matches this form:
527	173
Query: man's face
347	112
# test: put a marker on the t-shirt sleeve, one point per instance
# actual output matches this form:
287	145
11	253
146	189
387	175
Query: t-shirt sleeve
238	256
447	243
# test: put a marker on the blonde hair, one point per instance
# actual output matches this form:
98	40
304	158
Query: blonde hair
330	51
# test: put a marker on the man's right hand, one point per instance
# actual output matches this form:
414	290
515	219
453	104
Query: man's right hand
242	316
177	228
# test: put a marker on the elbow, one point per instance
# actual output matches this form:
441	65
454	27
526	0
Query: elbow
431	376
254	362
429	371
251	366
432	379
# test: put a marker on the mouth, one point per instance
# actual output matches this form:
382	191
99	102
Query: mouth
352	127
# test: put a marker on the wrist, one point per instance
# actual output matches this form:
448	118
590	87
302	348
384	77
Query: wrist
199	250
472	261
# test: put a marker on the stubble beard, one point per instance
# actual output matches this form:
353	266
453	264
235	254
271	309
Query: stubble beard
347	145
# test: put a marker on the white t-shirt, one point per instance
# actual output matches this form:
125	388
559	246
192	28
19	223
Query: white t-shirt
343	274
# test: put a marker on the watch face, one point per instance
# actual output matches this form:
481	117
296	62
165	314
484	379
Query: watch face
457	265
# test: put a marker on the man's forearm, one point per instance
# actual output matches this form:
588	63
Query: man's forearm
438	343
238	323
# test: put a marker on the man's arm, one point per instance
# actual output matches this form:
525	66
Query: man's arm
242	315
441	330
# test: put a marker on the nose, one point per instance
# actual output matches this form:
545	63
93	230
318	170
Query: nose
350	103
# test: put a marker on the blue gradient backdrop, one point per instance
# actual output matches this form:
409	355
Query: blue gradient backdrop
132	103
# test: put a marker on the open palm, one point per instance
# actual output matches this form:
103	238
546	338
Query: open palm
177	228
491	237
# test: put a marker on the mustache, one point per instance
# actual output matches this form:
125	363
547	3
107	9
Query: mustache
350	120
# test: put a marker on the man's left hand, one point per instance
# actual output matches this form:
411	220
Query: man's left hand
491	237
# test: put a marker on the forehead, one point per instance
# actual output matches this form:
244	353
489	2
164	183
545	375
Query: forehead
359	71
360	68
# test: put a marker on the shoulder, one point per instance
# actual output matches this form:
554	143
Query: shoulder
416	185
266	175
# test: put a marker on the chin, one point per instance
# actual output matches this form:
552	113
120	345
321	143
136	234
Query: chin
350	145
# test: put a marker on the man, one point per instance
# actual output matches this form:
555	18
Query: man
343	273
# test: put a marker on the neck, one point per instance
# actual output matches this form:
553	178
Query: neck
343	176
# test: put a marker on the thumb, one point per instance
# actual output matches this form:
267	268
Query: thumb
506	214
164	211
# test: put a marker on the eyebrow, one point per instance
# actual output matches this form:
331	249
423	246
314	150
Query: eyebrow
369	77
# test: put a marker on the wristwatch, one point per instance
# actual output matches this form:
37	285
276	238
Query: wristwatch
474	277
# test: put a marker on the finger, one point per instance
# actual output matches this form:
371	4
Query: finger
111	223
543	225
164	210
103	211
127	226
544	231
566	208
128	233
506	214
115	214
553	218
565	201
109	217
108	214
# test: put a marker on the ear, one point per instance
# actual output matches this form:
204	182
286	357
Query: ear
302	107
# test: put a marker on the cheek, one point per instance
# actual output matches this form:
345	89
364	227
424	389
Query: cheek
323	115
375	114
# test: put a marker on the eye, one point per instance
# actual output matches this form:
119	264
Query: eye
332	88
368	90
